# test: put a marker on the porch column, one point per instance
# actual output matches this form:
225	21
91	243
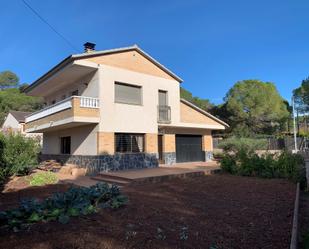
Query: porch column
105	143
169	149
207	145
151	143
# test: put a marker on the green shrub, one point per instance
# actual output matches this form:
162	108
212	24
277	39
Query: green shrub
235	144
61	206
43	178
18	155
228	164
247	163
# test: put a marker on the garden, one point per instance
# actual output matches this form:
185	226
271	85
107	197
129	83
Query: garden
249	205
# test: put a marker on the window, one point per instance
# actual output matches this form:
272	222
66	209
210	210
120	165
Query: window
126	142
65	145
128	94
74	93
162	98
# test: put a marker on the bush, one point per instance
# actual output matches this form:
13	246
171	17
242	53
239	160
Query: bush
234	144
18	155
61	206
43	178
247	163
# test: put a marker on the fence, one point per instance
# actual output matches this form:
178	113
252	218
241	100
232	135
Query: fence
286	143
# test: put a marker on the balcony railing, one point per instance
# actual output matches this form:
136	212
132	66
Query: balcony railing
87	102
164	114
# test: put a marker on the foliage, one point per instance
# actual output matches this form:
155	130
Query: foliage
236	144
13	99
301	96
18	155
8	78
255	107
61	206
285	165
201	103
43	178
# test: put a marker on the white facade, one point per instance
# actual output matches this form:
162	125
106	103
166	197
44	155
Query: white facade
134	118
11	123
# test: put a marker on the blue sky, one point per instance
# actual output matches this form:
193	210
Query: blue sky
210	44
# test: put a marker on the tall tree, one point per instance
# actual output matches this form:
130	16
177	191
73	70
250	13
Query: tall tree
7	79
201	103
301	96
255	107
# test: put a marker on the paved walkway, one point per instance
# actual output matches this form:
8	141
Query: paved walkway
138	174
165	170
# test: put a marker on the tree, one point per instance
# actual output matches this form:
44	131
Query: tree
255	107
13	99
301	96
201	103
7	79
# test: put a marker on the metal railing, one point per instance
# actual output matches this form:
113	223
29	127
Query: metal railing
164	114
87	102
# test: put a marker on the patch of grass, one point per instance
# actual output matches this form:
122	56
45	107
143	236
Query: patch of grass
43	178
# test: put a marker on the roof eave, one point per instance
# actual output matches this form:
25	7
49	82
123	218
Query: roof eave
52	71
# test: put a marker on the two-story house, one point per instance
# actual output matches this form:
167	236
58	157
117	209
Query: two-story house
118	109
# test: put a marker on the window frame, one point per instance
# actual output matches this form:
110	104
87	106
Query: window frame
163	91
129	85
131	136
62	149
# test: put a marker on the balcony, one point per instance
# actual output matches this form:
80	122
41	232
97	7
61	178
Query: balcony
73	111
164	114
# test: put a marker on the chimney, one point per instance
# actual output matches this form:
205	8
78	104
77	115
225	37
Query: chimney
89	47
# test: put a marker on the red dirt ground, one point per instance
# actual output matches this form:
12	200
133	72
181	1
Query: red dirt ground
218	211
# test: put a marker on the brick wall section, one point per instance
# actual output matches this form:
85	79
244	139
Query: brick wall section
207	142
190	115
169	143
131	60
83	111
76	110
106	143
151	143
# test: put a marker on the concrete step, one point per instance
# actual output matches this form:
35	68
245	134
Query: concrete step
114	177
110	180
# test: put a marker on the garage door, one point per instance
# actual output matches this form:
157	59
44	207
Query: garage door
188	148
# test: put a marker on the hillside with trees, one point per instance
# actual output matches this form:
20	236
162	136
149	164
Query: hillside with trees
12	97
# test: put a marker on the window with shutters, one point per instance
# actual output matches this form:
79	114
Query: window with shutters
126	142
128	94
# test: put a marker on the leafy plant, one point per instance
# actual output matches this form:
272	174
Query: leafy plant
18	155
248	163
61	206
43	178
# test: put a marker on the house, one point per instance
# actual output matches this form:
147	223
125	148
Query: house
118	109
15	122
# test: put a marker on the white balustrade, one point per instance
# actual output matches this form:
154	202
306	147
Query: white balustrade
87	102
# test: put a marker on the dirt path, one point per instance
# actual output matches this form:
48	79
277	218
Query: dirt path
214	212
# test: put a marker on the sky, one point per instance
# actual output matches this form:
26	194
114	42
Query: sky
209	44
